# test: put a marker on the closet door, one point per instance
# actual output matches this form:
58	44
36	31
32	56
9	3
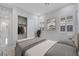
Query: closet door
5	27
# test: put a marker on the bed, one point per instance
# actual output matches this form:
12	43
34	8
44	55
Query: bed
44	47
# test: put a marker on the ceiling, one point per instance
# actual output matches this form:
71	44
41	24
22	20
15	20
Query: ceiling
37	8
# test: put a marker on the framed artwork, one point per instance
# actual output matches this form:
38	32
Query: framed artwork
62	28
51	24
69	19
69	28
62	19
66	23
42	25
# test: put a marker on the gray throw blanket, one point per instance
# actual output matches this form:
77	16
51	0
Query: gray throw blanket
60	49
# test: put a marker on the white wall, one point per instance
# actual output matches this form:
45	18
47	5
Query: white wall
62	12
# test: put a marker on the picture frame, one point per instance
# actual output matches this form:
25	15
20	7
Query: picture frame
66	24
69	28
62	28
69	19
51	24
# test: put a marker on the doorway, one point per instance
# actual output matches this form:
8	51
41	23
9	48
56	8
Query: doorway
22	27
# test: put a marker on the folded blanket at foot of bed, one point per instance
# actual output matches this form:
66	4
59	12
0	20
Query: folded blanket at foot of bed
40	49
21	47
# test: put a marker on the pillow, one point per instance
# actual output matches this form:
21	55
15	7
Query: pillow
67	42
29	42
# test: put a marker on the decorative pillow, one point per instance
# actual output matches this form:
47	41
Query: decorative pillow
67	42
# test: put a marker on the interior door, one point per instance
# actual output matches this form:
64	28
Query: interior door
4	28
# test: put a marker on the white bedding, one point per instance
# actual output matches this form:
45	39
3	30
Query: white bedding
40	49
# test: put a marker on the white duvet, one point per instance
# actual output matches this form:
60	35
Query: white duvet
40	49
